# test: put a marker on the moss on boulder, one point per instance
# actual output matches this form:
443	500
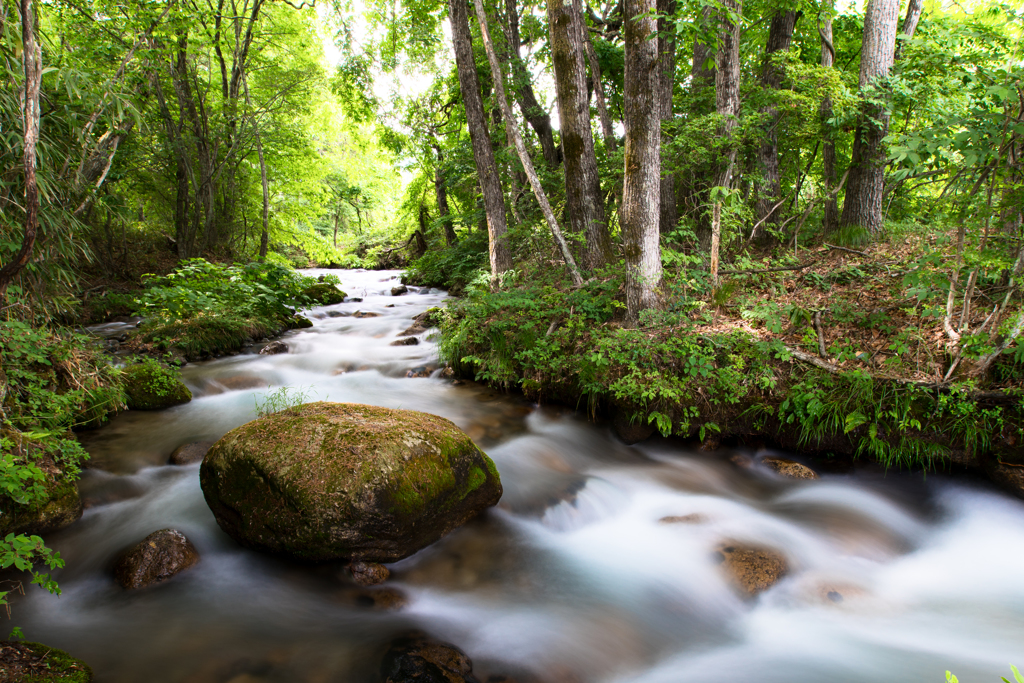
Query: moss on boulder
327	481
325	294
29	662
60	507
150	386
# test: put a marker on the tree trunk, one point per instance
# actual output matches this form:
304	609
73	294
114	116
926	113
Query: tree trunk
441	193
909	26
666	82
607	130
727	105
32	64
265	236
769	189
702	71
862	210
538	119
524	157
641	192
582	184
483	154
830	221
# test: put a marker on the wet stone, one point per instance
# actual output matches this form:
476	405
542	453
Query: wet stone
751	569
789	468
418	658
190	453
365	314
356	299
408	341
338	314
368	573
399	290
380	599
693	518
420	372
157	558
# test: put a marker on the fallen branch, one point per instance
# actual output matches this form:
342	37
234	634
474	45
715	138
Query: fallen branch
766	270
821	335
852	251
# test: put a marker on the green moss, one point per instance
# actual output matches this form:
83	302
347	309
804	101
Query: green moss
62	666
150	386
60	506
211	335
325	294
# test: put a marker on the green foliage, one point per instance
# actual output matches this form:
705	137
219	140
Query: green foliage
281	399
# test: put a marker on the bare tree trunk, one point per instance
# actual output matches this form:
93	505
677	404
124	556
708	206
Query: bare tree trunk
582	184
641	191
32	64
702	71
513	132
863	206
607	131
769	189
441	193
265	236
666	83
909	25
830	221
727	105
538	119
483	154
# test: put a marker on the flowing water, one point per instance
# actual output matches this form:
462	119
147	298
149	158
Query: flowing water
572	578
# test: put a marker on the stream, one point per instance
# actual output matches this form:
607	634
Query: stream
571	579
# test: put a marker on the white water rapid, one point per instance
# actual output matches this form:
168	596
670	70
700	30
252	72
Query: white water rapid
572	578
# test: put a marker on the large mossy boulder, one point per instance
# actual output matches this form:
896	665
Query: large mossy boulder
151	386
324	294
59	507
326	481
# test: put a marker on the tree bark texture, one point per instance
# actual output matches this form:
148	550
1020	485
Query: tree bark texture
769	189
607	130
702	72
727	106
265	235
535	114
483	153
830	221
641	191
863	205
666	80
524	156
909	26
582	183
32	65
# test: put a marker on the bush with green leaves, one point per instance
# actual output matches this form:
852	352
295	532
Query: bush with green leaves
205	308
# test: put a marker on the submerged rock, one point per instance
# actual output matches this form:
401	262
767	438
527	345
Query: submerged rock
632	431
1009	476
190	453
399	290
157	558
420	372
150	386
382	599
274	348
326	481
368	573
365	314
789	468
423	322
418	658
408	341
751	569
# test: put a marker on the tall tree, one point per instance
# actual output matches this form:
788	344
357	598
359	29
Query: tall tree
483	153
830	221
666	84
862	209
524	157
769	189
32	63
582	184
607	131
535	114
641	191
727	106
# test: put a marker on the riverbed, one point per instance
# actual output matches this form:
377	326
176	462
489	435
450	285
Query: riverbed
573	578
